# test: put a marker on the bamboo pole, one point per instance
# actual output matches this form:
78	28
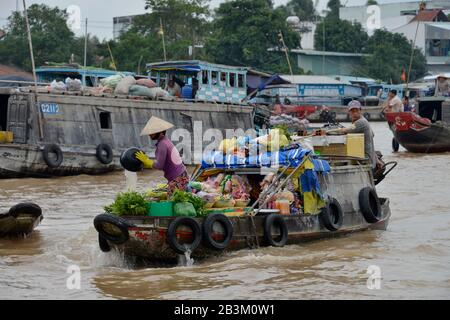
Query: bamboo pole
30	43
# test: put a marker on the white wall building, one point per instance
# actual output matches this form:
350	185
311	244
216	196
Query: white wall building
392	15
121	24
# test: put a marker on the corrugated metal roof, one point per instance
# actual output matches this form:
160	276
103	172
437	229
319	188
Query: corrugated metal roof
431	15
310	79
328	53
440	25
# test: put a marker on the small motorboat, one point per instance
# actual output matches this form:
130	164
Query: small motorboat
427	131
20	220
350	204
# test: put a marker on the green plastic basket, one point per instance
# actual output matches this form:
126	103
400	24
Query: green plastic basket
160	209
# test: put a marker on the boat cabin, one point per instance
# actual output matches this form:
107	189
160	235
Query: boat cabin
434	109
385	88
89	77
201	80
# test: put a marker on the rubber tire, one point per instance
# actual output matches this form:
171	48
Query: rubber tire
53	148
328	219
366	115
395	145
25	207
172	235
268	222
103	244
370	205
105	159
119	222
207	229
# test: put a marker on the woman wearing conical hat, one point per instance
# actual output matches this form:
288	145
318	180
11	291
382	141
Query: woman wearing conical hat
168	158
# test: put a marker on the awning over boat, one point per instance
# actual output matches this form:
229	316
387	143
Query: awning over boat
292	157
275	79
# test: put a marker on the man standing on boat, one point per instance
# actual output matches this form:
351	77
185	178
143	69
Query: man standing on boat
393	103
168	158
361	125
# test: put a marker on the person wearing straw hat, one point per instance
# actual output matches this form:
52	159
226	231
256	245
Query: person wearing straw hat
442	86
168	158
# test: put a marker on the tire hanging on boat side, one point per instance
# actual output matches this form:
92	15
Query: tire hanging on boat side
104	153
370	205
332	215
119	223
172	234
207	231
271	220
103	244
26	208
52	148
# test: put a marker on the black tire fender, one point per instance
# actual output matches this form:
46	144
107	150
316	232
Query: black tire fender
370	205
27	208
119	223
172	234
269	221
52	148
332	215
366	115
103	244
207	229
104	153
395	145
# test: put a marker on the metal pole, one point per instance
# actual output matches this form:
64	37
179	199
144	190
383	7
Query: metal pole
162	34
85	52
30	43
323	48
411	58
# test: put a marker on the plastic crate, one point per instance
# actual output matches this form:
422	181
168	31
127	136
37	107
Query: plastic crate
160	209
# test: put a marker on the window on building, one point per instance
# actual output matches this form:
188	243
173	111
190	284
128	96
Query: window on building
439	47
105	120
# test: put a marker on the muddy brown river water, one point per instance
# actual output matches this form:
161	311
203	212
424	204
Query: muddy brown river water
413	255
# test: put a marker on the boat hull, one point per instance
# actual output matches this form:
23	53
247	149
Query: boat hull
147	240
417	134
21	225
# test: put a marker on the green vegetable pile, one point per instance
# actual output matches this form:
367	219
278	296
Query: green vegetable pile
183	196
128	203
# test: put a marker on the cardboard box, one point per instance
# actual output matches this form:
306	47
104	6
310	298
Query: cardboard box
351	145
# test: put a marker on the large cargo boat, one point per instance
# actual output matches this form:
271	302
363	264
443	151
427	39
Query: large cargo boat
56	133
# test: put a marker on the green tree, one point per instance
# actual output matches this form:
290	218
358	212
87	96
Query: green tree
185	23
52	39
245	32
333	8
389	54
371	3
340	36
304	9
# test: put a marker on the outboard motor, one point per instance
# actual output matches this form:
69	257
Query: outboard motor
380	172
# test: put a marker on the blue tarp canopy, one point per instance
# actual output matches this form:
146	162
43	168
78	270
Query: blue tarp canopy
275	79
291	157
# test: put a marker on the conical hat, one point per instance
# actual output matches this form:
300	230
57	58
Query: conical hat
155	125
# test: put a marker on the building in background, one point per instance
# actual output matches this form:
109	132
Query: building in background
433	37
122	24
392	15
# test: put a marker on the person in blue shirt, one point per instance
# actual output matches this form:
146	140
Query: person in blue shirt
406	105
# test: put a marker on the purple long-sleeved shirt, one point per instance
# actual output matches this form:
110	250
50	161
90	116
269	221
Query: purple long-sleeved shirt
168	159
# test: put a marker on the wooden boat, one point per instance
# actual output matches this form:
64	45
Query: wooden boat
351	205
59	133
20	220
426	131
